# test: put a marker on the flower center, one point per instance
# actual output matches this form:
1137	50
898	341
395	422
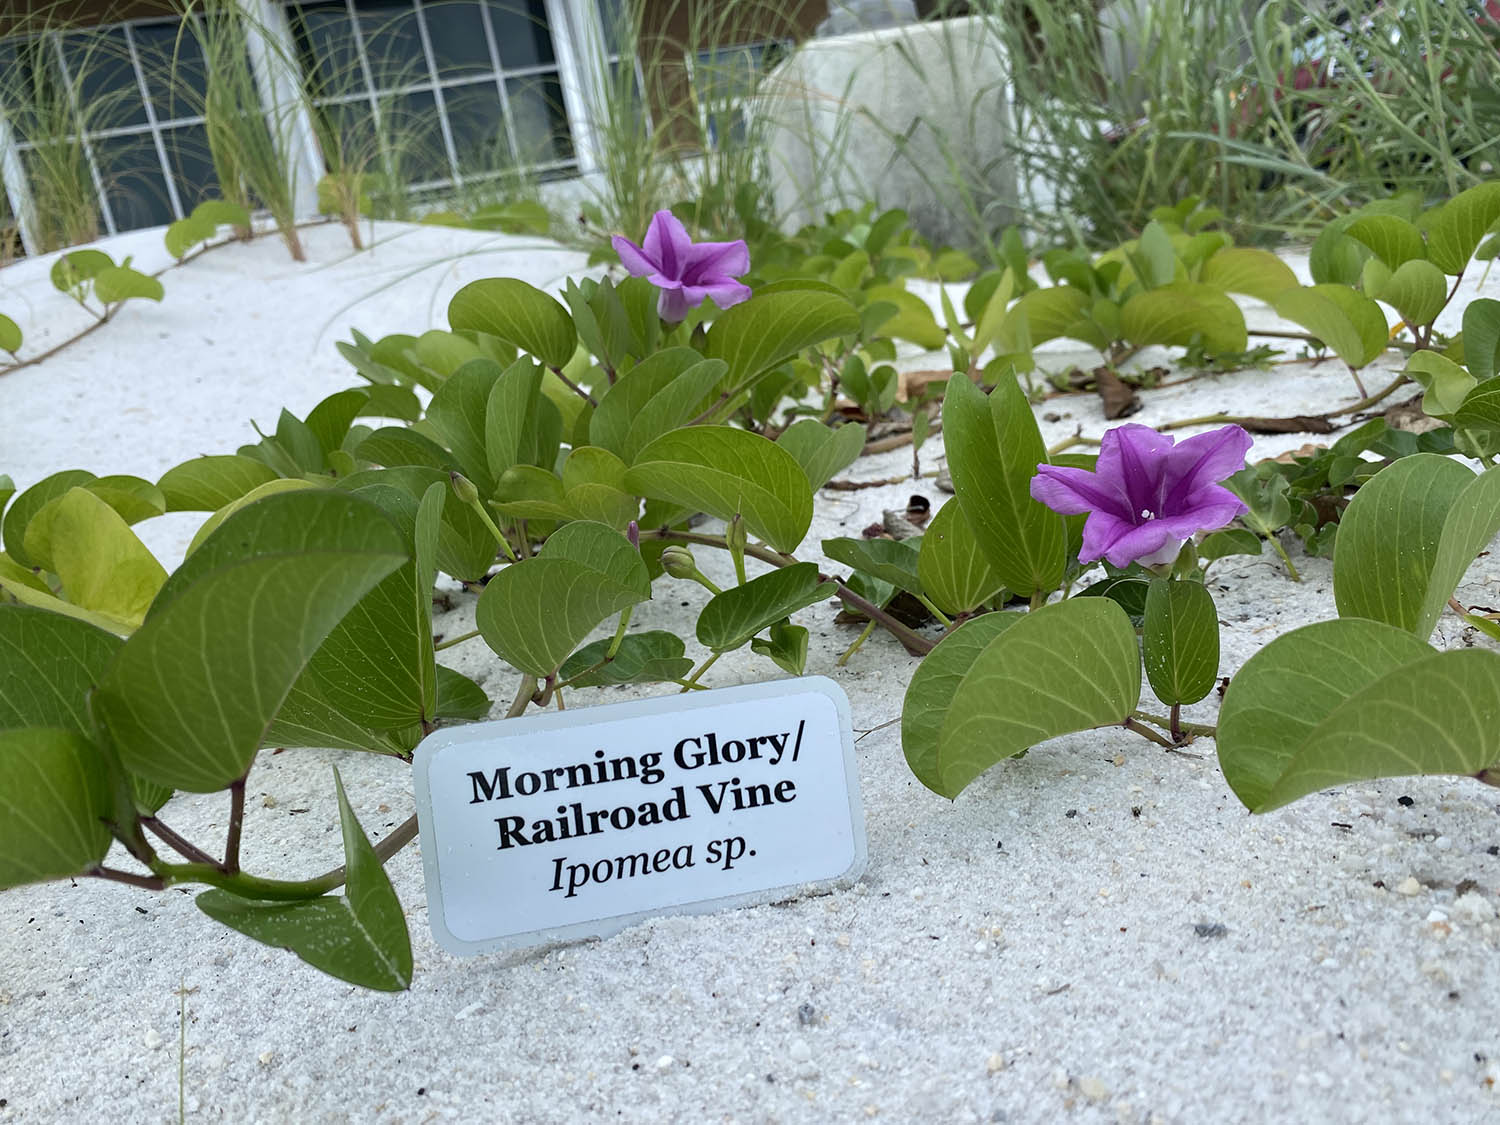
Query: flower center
1147	514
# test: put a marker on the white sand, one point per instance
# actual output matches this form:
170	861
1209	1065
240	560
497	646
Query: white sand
1026	953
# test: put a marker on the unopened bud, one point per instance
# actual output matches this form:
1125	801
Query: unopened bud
679	562
735	536
464	488
633	533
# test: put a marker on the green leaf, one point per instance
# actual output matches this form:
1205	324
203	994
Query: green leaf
1446	382
911	318
1392	239
1180	640
458	415
642	658
1046	314
1480	407
1481	336
273	487
1437	715
786	647
206	484
54	800
733	617
466	548
769	328
890	560
1288	687
1154	260
1335	258
397	446
190	696
822	452
1182	314
51	664
1065	667
659	374
75	267
359	936
1459	225
518	313
133	498
929	696
121	283
21	512
951	567
376	665
222	213
184	234
1255	273
1231	541
593	480
994	447
1350	324
1407	537
534	613
1417	290
724	472
459	697
101	563
10	335
510	426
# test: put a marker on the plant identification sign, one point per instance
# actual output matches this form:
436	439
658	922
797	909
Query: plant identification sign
579	823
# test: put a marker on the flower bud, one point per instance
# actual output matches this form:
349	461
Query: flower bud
735	536
464	488
679	562
633	533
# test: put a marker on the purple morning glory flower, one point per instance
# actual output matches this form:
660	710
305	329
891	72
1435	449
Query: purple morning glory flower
685	271
1147	495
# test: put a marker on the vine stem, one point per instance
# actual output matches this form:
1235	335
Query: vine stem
236	824
574	387
858	643
449	642
1147	733
692	681
1204	729
179	844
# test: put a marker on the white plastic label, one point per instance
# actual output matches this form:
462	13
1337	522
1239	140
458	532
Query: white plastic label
579	823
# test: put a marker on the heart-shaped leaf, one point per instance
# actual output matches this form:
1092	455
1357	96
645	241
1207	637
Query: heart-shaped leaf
1184	313
786	647
951	567
733	617
1417	290
54	800
25	506
1480	407
727	472
535	613
101	563
1447	384
10	335
1392	239
188	699
460	698
466	547
1065	667
1459	225
994	447
359	936
1047	314
510	426
1255	273
1407	537
1287	688
51	664
121	283
654	376
1349	323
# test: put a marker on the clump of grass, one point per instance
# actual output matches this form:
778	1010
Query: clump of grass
249	145
45	107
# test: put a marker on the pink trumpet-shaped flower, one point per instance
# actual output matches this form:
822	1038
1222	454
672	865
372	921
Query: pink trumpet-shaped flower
685	271
1147	495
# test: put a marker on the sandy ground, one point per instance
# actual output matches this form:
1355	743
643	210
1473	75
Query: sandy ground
1097	932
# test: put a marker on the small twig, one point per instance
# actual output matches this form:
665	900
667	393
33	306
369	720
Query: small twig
524	693
574	387
858	643
182	846
146	882
449	642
